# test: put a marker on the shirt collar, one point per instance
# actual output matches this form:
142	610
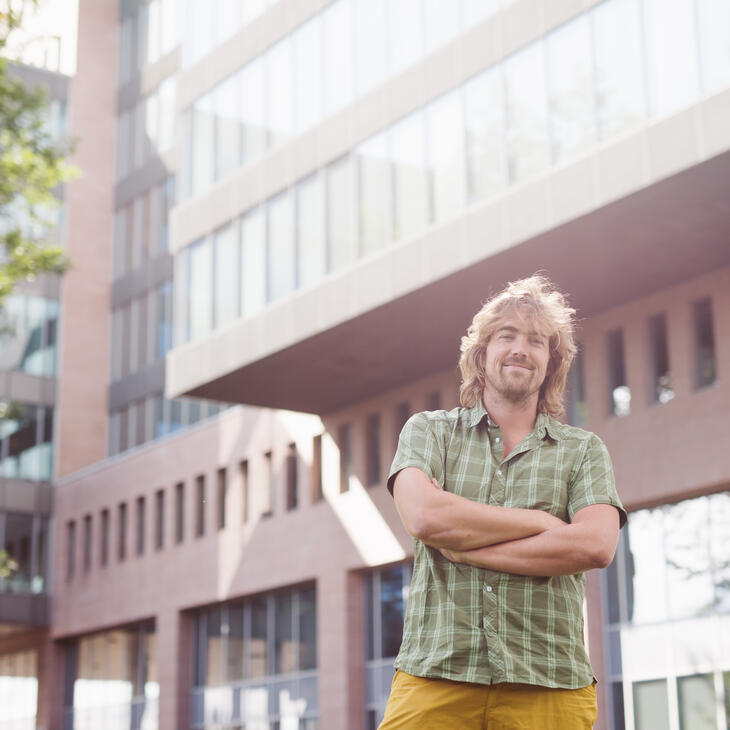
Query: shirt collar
544	425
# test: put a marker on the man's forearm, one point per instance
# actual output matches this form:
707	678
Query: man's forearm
574	548
445	520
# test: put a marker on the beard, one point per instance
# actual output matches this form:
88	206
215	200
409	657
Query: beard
514	387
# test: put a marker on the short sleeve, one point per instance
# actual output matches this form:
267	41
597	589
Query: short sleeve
418	446
593	481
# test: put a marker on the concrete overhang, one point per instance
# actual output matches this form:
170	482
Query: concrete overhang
399	316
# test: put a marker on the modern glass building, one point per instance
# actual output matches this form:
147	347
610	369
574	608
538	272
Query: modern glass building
289	213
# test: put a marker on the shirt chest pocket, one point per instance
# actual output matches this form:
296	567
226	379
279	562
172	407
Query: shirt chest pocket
544	487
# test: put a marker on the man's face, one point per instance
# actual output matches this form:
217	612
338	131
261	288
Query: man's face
516	360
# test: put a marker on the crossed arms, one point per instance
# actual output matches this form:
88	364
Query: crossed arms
505	539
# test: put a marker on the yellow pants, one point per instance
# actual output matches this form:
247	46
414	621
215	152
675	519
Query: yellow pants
418	703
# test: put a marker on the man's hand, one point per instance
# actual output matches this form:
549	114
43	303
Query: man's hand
442	519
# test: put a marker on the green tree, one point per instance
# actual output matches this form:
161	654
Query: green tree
32	166
8	566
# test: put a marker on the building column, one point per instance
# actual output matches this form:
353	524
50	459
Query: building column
51	685
174	668
339	642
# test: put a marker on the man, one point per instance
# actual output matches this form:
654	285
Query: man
508	508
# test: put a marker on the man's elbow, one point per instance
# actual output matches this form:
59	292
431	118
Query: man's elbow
419	523
602	555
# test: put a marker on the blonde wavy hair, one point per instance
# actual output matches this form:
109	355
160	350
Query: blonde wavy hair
543	307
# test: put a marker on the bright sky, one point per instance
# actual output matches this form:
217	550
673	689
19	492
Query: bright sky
48	36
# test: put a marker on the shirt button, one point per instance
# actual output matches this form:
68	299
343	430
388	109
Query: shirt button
499	472
489	589
497	439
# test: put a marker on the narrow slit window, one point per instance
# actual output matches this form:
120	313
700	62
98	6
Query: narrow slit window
661	380
704	343
619	391
291	477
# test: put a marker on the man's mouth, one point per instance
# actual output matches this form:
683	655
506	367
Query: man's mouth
521	366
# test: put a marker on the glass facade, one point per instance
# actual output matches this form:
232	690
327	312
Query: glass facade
26	441
537	108
28	326
667	599
386	595
24	538
112	680
336	56
255	663
18	690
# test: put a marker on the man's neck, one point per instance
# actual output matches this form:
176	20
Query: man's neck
515	419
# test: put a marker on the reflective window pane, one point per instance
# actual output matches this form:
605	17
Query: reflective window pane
445	134
201	295
392	608
719	541
258	643
307	630
689	574
648	589
202	144
441	22
408	150
338	37
285	656
404	33
227	129
311	244
308	69
572	102
374	168
484	122
252	111
234	652
671	54
697	703
226	275
341	211
282	257
370	43
253	261
278	63
714	21
651	705
527	113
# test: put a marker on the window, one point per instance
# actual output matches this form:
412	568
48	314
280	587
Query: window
179	512
140	525
341	213
279	69
122	537
619	93
291	477
344	441
577	407
317	468
282	265
527	113
651	705
104	538
245	490
374	174
661	382
410	177
87	543
201	296
226	279
704	343
70	549
308	75
200	505
311	248
402	413
433	401
620	394
372	448
227	132
270	638
252	110
338	37
714	18
572	97
697	702
386	595
253	261
267	505
445	134
159	519
222	497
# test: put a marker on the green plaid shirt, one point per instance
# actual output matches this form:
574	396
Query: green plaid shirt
476	625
